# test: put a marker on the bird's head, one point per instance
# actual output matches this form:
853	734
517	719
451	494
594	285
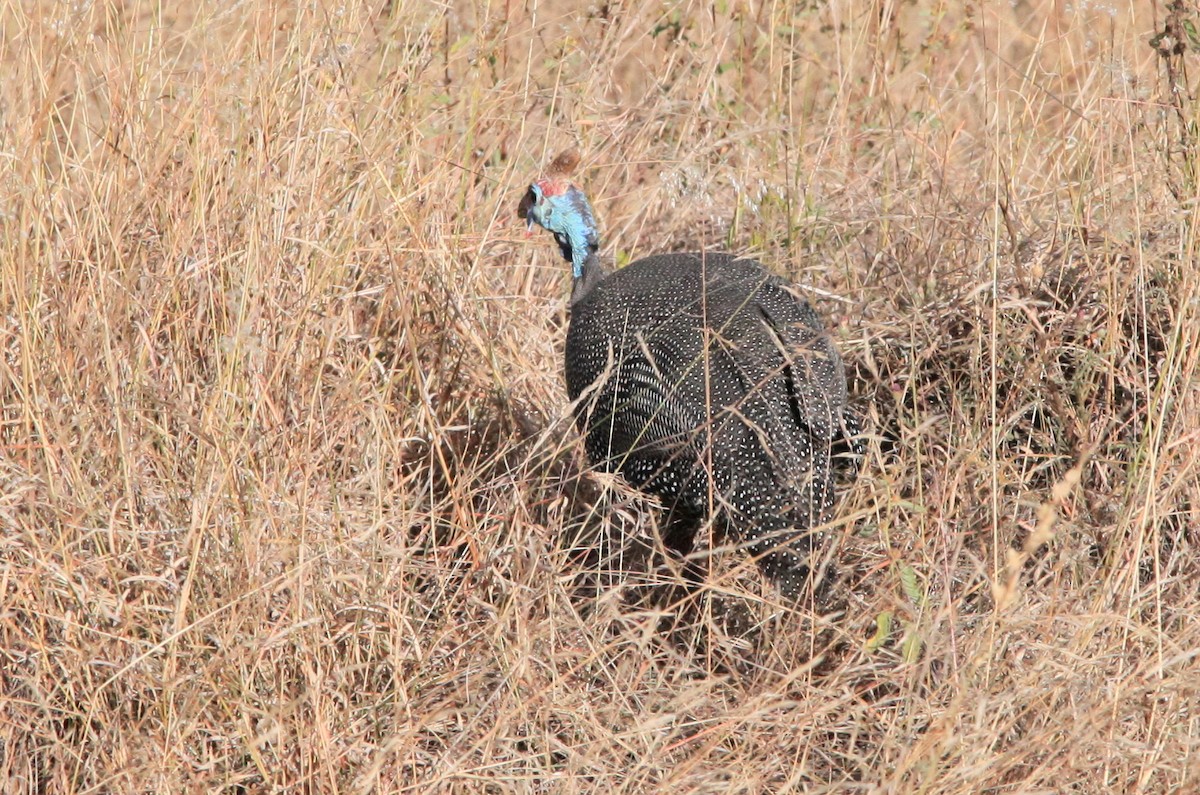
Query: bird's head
558	206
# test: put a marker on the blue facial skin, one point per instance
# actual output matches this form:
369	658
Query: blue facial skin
567	216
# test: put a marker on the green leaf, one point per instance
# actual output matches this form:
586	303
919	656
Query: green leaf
910	650
883	630
1189	27
912	585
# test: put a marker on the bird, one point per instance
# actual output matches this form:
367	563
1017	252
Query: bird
705	380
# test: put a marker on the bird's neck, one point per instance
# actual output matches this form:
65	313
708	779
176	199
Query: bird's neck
588	273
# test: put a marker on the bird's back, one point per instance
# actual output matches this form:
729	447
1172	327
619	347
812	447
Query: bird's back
705	380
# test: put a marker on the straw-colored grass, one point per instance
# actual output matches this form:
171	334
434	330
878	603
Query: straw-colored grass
290	497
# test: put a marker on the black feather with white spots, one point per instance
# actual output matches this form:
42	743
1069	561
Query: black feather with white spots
707	382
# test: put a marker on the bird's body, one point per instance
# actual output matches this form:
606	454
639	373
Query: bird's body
706	381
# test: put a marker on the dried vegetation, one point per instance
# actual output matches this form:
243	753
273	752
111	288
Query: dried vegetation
289	496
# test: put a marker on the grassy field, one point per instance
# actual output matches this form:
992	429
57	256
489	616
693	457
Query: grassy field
290	497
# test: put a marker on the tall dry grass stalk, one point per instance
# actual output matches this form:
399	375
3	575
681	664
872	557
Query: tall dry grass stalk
289	496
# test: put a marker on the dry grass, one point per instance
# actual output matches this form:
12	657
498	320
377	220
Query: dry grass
288	493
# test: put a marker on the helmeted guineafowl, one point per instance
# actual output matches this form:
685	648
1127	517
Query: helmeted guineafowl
706	381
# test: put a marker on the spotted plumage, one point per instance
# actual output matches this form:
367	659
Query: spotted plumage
704	380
